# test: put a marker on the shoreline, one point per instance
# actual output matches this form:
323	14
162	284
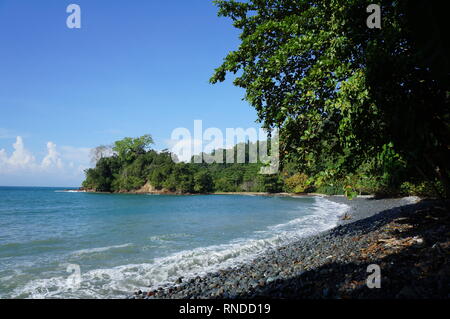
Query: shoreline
163	192
331	264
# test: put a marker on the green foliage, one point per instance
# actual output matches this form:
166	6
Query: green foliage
102	177
133	165
203	182
384	174
422	188
158	174
129	148
342	94
297	183
224	185
127	183
270	183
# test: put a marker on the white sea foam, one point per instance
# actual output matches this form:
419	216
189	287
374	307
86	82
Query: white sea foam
168	237
99	249
412	199
120	281
69	191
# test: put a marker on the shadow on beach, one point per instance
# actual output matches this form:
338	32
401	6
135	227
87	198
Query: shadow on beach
411	244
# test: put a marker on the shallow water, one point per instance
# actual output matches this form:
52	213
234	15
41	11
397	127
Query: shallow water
57	244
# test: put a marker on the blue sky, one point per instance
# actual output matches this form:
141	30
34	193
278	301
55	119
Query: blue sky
135	67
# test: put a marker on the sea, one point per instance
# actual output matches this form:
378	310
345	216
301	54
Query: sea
59	243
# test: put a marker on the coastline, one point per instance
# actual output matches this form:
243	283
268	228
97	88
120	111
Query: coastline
166	192
333	264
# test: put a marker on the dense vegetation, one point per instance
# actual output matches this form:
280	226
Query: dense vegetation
359	110
130	164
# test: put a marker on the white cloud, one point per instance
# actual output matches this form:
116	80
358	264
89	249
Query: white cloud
3	157
63	165
53	157
20	158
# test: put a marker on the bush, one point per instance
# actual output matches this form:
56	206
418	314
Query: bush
297	183
421	189
331	189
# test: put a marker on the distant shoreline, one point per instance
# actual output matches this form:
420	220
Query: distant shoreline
216	193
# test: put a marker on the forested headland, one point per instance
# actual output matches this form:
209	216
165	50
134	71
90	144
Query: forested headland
130	164
359	110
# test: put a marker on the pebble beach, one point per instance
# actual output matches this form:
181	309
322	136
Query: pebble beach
333	264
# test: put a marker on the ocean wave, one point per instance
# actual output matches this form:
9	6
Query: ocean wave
99	249
118	282
69	191
168	237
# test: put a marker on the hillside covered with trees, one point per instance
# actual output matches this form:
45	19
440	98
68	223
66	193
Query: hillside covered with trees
131	163
359	110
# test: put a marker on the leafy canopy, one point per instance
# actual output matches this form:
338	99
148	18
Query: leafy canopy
340	92
129	148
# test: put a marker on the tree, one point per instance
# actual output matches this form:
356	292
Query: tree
159	173
99	152
184	178
129	148
203	182
101	177
339	92
269	183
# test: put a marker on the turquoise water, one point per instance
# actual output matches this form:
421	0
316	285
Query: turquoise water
56	244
